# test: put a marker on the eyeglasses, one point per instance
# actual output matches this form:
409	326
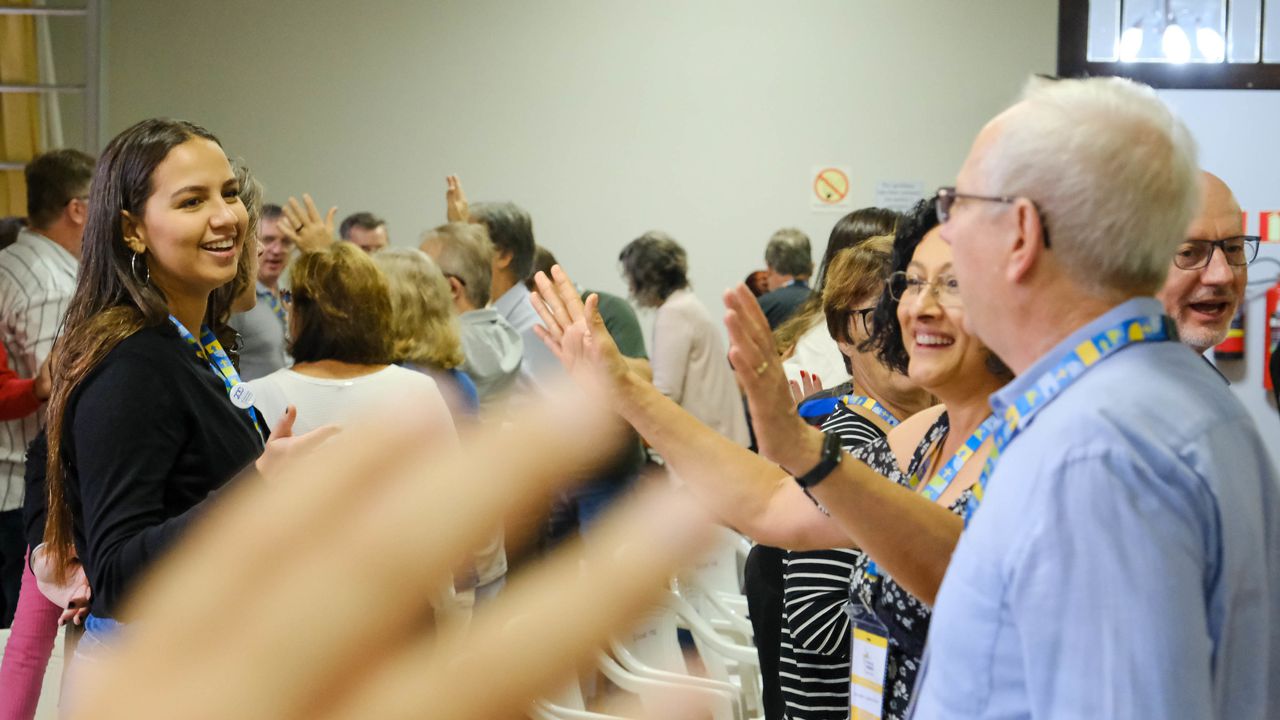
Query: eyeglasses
286	296
946	198
863	316
907	287
1237	251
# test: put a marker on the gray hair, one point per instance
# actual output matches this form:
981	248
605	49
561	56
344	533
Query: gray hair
788	253
655	266
464	251
1113	172
510	230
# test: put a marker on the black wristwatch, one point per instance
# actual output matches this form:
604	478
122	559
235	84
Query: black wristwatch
832	453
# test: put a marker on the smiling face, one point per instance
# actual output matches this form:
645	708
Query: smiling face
1203	301
193	227
932	319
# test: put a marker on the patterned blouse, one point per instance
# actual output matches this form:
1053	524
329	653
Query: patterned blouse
904	615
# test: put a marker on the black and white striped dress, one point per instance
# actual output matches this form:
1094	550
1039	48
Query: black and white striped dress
813	665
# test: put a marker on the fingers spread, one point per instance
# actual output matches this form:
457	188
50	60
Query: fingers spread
313	214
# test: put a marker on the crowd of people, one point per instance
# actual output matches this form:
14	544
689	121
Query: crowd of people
986	468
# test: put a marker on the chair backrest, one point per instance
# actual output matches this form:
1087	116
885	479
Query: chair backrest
654	641
718	569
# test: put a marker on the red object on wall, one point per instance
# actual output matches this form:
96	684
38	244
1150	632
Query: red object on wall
1269	225
1233	347
1273	336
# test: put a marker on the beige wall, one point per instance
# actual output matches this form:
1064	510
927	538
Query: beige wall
604	118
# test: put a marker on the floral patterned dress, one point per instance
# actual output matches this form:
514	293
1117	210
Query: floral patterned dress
904	615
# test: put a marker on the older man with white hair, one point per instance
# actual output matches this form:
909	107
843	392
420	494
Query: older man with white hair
1125	560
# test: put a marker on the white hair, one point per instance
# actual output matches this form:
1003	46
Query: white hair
1113	172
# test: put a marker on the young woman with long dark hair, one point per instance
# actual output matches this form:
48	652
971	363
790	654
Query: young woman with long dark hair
147	417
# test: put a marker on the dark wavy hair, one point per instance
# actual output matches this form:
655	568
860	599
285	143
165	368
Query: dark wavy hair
886	331
654	266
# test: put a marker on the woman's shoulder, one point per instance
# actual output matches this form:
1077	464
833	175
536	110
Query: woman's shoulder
150	353
399	375
905	438
142	370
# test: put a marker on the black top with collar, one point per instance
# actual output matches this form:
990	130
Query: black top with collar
149	435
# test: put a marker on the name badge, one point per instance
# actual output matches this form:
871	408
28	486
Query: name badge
242	397
868	661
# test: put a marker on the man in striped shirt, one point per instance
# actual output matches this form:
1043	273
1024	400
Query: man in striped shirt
37	278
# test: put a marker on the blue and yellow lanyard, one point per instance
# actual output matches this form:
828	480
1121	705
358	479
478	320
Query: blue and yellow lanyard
862	401
1144	328
942	480
211	351
274	303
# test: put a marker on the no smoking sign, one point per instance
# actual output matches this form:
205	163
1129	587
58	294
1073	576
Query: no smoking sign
830	188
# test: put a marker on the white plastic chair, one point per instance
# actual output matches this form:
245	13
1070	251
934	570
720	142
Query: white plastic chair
652	651
567	704
653	647
714	585
724	659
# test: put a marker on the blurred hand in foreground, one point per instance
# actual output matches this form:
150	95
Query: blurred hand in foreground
305	597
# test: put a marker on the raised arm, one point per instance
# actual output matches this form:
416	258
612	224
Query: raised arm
909	536
744	490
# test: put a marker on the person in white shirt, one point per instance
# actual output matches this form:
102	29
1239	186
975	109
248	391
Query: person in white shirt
37	279
340	337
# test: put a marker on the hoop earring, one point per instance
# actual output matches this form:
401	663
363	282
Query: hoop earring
133	266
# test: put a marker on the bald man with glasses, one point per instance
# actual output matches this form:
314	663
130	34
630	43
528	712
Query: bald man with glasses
1210	270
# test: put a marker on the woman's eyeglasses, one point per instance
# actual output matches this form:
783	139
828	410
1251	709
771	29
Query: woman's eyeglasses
907	287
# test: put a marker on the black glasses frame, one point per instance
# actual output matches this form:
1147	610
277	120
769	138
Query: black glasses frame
947	196
863	315
1251	245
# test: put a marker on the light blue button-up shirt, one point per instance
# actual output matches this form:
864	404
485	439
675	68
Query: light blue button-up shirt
1126	560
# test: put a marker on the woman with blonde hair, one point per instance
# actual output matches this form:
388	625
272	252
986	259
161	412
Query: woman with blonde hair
424	330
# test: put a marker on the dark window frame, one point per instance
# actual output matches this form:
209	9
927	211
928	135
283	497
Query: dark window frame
1073	39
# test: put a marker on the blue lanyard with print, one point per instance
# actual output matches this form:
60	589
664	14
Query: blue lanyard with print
274	303
211	350
942	480
862	401
1141	329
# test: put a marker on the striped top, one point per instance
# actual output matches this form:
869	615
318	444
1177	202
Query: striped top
37	279
813	665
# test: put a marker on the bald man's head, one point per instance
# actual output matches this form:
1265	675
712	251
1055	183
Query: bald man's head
1202	300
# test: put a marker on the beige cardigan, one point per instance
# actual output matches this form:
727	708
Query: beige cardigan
691	366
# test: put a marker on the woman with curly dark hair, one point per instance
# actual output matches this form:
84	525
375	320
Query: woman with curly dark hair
689	360
901	504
